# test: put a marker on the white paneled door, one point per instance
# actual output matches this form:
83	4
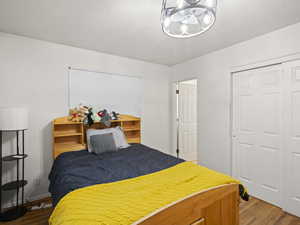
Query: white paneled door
266	133
187	116
257	131
292	156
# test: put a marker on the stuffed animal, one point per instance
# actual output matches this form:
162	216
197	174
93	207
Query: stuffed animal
105	117
75	115
78	114
88	121
89	116
114	115
95	116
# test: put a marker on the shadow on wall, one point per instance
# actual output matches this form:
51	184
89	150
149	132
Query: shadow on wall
39	188
46	157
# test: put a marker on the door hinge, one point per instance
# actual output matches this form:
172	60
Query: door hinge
177	92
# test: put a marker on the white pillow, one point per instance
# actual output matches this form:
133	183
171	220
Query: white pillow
117	132
121	138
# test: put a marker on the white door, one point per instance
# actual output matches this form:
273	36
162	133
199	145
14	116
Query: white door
257	131
292	156
187	113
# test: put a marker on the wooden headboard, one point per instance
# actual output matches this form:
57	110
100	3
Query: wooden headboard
71	136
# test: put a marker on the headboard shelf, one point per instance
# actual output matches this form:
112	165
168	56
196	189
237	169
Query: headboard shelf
71	136
66	134
133	140
127	129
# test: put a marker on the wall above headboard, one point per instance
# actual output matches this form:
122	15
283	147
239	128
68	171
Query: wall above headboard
35	74
115	92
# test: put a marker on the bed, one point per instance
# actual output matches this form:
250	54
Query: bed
137	160
140	185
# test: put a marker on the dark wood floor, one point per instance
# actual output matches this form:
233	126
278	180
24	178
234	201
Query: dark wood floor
254	212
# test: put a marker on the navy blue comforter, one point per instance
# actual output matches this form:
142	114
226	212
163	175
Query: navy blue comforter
73	170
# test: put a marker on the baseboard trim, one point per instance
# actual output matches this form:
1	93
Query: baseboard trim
38	197
29	202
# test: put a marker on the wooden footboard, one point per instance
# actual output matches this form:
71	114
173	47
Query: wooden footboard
218	206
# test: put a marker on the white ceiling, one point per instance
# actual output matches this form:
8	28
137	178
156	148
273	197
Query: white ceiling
131	28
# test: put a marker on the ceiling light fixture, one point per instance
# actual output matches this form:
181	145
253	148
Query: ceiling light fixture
187	18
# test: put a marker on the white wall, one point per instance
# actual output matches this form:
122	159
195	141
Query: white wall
34	73
214	88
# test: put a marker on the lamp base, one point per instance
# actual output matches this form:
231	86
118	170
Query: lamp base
13	214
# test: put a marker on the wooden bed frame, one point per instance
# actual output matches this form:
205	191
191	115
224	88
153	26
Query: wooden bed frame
216	206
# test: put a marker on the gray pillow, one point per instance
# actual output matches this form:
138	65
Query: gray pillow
103	143
117	132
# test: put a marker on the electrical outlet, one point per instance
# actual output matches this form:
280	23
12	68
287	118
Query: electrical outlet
37	182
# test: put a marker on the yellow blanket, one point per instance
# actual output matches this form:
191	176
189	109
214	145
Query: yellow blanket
125	202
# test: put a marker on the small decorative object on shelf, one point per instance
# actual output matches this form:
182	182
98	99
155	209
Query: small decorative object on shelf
114	115
14	120
88	115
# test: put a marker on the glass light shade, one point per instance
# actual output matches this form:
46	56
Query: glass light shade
187	18
13	119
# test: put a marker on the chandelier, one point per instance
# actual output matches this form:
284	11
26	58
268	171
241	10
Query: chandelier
187	18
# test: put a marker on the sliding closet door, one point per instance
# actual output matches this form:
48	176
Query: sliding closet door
292	156
257	131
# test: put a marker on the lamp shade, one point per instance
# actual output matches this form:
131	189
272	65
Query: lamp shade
13	118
